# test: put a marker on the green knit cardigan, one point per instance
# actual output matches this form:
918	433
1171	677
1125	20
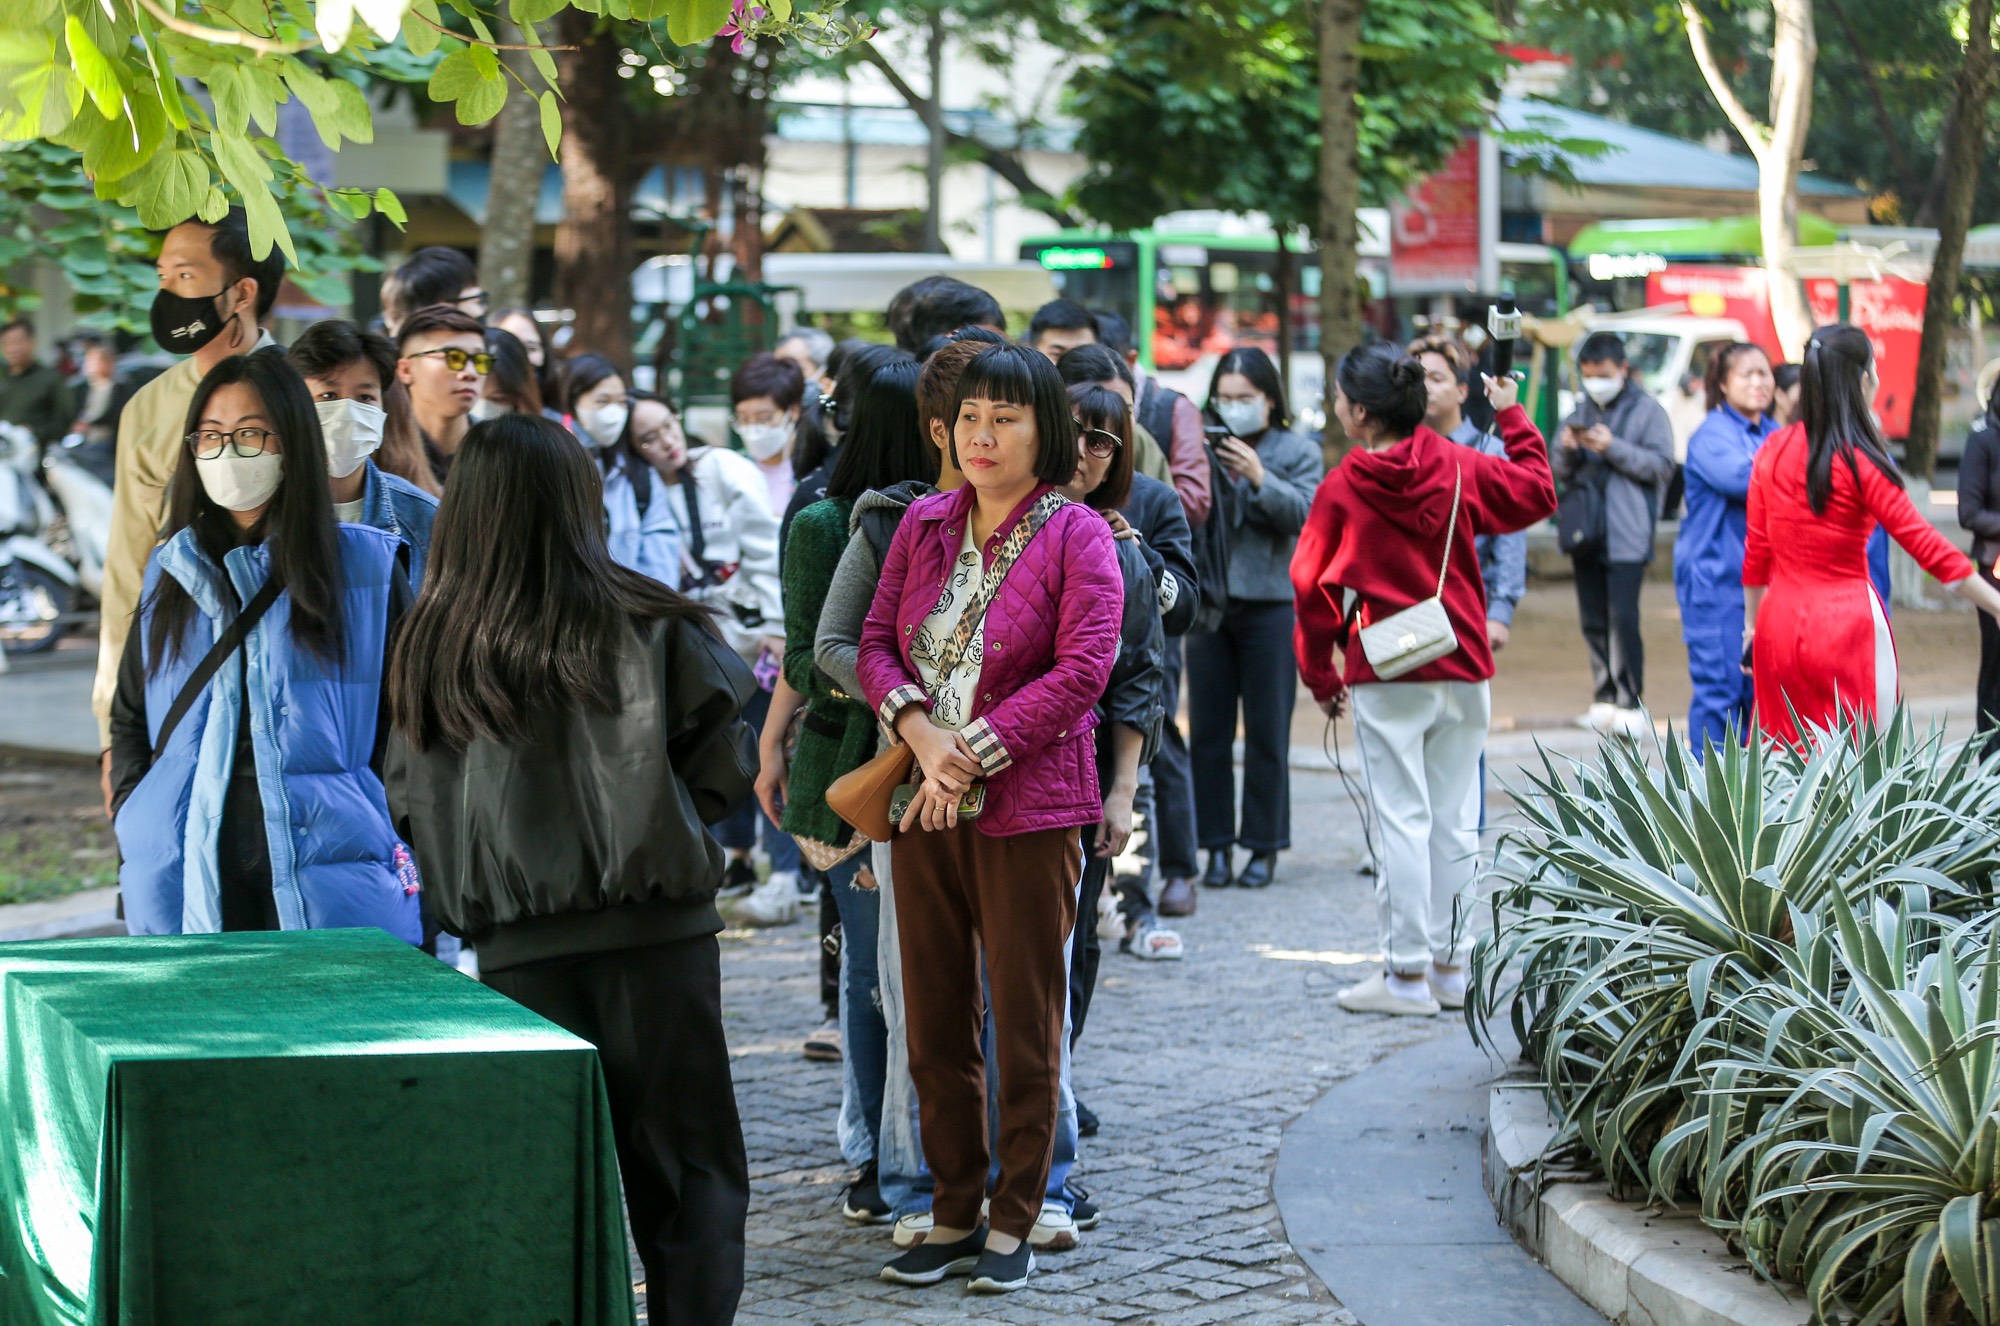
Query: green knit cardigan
838	733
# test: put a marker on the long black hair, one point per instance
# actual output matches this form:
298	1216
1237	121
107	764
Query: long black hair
1023	377
297	527
522	609
1836	412
885	443
582	373
1254	364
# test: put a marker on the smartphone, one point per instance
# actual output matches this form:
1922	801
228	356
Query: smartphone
969	804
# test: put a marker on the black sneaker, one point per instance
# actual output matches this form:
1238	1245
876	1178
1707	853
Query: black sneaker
741	877
864	1204
1086	1121
929	1262
997	1274
1081	1209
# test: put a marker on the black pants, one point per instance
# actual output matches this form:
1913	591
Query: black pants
1248	662
1170	834
1085	950
1989	671
655	1016
1607	603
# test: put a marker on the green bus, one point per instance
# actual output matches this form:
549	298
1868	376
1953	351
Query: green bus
1192	292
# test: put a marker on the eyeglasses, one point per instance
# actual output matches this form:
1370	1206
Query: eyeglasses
456	359
1101	443
208	443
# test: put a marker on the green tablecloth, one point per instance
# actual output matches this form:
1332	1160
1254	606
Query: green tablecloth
221	1130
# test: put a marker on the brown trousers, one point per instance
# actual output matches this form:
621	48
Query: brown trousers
961	893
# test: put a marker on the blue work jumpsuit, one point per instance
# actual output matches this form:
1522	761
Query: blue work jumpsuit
1708	572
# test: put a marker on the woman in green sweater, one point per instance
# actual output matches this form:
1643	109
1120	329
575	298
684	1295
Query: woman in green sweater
838	732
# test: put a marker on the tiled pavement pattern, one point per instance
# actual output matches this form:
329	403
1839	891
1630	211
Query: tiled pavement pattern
1194	1067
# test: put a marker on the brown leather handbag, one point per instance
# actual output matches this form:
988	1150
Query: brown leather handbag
861	795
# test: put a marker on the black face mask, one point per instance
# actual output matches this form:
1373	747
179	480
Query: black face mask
184	324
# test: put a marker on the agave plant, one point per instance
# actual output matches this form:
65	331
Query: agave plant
1642	903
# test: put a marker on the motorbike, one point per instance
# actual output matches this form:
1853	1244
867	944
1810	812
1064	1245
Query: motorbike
39	587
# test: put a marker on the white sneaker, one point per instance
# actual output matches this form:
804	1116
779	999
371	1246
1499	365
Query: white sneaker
1631	723
910	1229
1598	717
1374	996
1054	1231
774	902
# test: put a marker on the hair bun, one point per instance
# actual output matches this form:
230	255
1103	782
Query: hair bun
1407	372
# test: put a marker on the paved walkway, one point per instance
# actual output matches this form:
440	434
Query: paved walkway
1195	1068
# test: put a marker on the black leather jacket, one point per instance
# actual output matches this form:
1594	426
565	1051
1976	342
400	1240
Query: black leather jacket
1979	489
591	836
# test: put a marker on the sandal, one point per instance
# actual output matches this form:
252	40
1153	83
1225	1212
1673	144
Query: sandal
1155	943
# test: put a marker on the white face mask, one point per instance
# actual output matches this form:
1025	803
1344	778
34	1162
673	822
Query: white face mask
1603	390
486	408
1244	418
240	483
764	441
603	425
353	430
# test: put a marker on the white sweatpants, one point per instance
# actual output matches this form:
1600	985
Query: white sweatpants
1420	746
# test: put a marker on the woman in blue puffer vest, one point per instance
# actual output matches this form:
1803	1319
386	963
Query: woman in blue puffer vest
261	808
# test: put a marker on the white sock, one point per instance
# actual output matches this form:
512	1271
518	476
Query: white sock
1407	987
1449	982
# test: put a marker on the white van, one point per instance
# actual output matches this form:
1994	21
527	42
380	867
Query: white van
1669	352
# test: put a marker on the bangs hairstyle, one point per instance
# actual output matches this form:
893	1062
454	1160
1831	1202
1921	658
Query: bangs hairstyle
522	612
1719	365
297	527
330	345
885	444
1016	375
1255	365
1101	407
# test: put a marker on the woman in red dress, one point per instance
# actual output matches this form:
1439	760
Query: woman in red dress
1819	641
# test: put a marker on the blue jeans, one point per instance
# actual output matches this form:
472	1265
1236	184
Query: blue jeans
863	1033
900	1171
738	830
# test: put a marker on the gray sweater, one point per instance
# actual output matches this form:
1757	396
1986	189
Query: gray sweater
1634	471
1267	520
837	643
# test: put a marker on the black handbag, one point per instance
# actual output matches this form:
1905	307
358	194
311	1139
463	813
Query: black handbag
1581	528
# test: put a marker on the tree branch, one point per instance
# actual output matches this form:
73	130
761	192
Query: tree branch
1004	164
223	36
1754	134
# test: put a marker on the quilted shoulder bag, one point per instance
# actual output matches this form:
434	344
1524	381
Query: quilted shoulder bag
861	796
1403	642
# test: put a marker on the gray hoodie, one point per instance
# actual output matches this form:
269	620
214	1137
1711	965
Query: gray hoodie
837	643
1634	471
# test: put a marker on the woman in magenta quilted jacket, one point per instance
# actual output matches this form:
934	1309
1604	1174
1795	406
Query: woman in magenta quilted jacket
990	642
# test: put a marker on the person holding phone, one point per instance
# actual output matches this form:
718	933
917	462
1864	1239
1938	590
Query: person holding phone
988	645
1614	457
1243	667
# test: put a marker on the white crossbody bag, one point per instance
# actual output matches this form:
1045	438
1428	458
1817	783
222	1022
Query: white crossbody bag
1405	641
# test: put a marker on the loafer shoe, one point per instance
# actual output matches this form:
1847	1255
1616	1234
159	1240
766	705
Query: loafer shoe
929	1262
997	1274
1178	898
1374	996
1218	874
1263	868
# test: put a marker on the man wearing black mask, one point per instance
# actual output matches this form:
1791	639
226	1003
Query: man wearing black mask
213	298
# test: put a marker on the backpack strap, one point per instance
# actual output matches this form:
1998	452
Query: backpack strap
227	643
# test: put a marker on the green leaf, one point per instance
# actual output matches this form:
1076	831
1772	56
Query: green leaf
317	95
213	207
545	65
267	225
483	100
232	103
418	35
552	124
352	116
485	59
95	72
263	90
457	74
389	205
525	12
170	189
695	21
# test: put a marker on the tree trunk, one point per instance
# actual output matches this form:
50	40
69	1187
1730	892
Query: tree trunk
1779	149
933	113
594	244
513	186
1339	196
1792	54
1282	280
1961	152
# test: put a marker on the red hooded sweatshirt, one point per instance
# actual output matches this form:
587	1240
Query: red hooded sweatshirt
1377	527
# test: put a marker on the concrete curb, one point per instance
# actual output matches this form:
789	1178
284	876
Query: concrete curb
1635	1267
91	912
